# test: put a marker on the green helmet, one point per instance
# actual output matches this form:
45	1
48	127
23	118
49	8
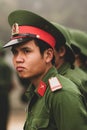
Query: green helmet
79	39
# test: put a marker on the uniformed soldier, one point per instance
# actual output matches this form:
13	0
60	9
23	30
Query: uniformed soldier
55	103
79	45
6	85
64	62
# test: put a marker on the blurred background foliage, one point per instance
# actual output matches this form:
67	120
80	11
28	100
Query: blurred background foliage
67	12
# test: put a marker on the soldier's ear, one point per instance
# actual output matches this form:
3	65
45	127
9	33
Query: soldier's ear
48	55
62	51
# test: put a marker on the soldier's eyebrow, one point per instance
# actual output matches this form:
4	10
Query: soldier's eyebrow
22	48
26	48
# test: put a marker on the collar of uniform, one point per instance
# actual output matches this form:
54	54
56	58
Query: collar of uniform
84	68
51	73
30	91
63	68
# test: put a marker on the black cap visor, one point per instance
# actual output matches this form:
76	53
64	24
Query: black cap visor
16	41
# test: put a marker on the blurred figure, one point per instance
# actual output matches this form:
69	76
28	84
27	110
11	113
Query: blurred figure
64	61
6	86
79	45
25	84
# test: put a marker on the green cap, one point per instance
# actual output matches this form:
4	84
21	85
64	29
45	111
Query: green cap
65	32
27	24
79	39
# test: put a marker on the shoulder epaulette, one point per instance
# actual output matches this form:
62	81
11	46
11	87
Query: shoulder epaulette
54	84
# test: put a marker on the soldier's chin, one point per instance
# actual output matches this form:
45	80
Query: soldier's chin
22	76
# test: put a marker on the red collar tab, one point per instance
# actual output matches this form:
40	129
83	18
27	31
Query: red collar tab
41	89
39	33
54	84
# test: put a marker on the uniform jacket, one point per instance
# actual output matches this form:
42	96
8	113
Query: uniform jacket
58	106
76	75
84	68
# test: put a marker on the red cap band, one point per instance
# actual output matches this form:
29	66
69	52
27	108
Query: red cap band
40	34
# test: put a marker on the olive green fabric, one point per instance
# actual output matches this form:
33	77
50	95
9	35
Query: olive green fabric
62	109
77	76
79	39
27	18
84	69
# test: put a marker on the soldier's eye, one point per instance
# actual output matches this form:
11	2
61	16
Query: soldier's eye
26	51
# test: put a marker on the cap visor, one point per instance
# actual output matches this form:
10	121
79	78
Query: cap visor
15	41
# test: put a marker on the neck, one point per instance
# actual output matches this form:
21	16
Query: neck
60	63
36	80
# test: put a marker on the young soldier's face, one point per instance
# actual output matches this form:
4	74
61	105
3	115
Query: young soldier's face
28	61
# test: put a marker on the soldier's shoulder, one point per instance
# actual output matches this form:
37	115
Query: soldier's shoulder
60	82
54	83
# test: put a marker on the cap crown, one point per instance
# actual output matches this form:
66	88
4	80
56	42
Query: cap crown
79	39
65	32
27	18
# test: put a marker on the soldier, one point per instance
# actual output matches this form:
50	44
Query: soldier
6	85
64	62
55	103
79	45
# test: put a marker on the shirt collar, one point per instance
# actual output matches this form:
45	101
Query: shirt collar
63	68
43	84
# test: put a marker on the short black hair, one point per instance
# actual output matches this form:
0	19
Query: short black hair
43	46
69	55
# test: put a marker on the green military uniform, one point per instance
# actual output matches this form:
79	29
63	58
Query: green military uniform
61	109
79	39
56	104
76	75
